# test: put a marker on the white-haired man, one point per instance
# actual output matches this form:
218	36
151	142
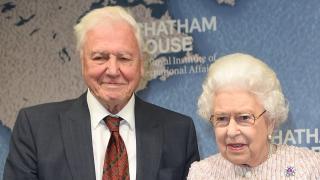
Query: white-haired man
74	139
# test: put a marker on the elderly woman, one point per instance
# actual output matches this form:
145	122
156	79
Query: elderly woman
243	100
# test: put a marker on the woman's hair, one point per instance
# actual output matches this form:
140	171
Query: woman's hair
245	72
107	14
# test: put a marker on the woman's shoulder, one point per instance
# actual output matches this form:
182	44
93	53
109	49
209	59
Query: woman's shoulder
297	152
209	167
208	162
303	161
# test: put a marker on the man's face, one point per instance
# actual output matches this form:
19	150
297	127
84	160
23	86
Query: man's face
111	63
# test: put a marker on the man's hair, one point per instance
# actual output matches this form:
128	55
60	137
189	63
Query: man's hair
245	72
107	14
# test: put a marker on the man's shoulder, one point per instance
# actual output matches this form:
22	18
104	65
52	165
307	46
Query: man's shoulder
50	106
49	110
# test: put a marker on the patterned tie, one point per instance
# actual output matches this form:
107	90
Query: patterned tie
116	166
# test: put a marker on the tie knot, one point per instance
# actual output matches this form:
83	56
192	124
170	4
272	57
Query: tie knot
113	123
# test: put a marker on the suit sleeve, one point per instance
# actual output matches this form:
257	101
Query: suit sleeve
192	149
21	162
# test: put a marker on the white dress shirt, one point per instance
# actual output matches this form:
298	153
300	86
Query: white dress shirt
101	133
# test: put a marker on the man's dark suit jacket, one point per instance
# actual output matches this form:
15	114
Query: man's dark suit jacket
53	142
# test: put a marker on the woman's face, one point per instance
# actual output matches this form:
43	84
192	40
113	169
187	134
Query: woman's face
241	145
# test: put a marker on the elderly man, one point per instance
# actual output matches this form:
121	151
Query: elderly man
108	132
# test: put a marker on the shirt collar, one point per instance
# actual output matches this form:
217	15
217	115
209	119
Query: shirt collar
98	111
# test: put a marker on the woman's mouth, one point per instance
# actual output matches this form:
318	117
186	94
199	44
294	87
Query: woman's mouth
236	146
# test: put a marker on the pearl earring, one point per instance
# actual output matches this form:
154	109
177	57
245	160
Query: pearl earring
269	137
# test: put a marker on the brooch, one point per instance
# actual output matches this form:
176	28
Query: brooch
290	171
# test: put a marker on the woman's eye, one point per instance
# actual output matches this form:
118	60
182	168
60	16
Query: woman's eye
222	118
244	117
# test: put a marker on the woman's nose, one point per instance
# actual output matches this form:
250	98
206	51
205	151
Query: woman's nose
233	128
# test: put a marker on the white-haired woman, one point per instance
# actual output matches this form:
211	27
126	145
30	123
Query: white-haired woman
243	100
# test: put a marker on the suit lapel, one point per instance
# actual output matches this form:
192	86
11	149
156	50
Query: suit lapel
76	136
149	141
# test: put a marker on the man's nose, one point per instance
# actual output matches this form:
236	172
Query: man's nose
112	66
